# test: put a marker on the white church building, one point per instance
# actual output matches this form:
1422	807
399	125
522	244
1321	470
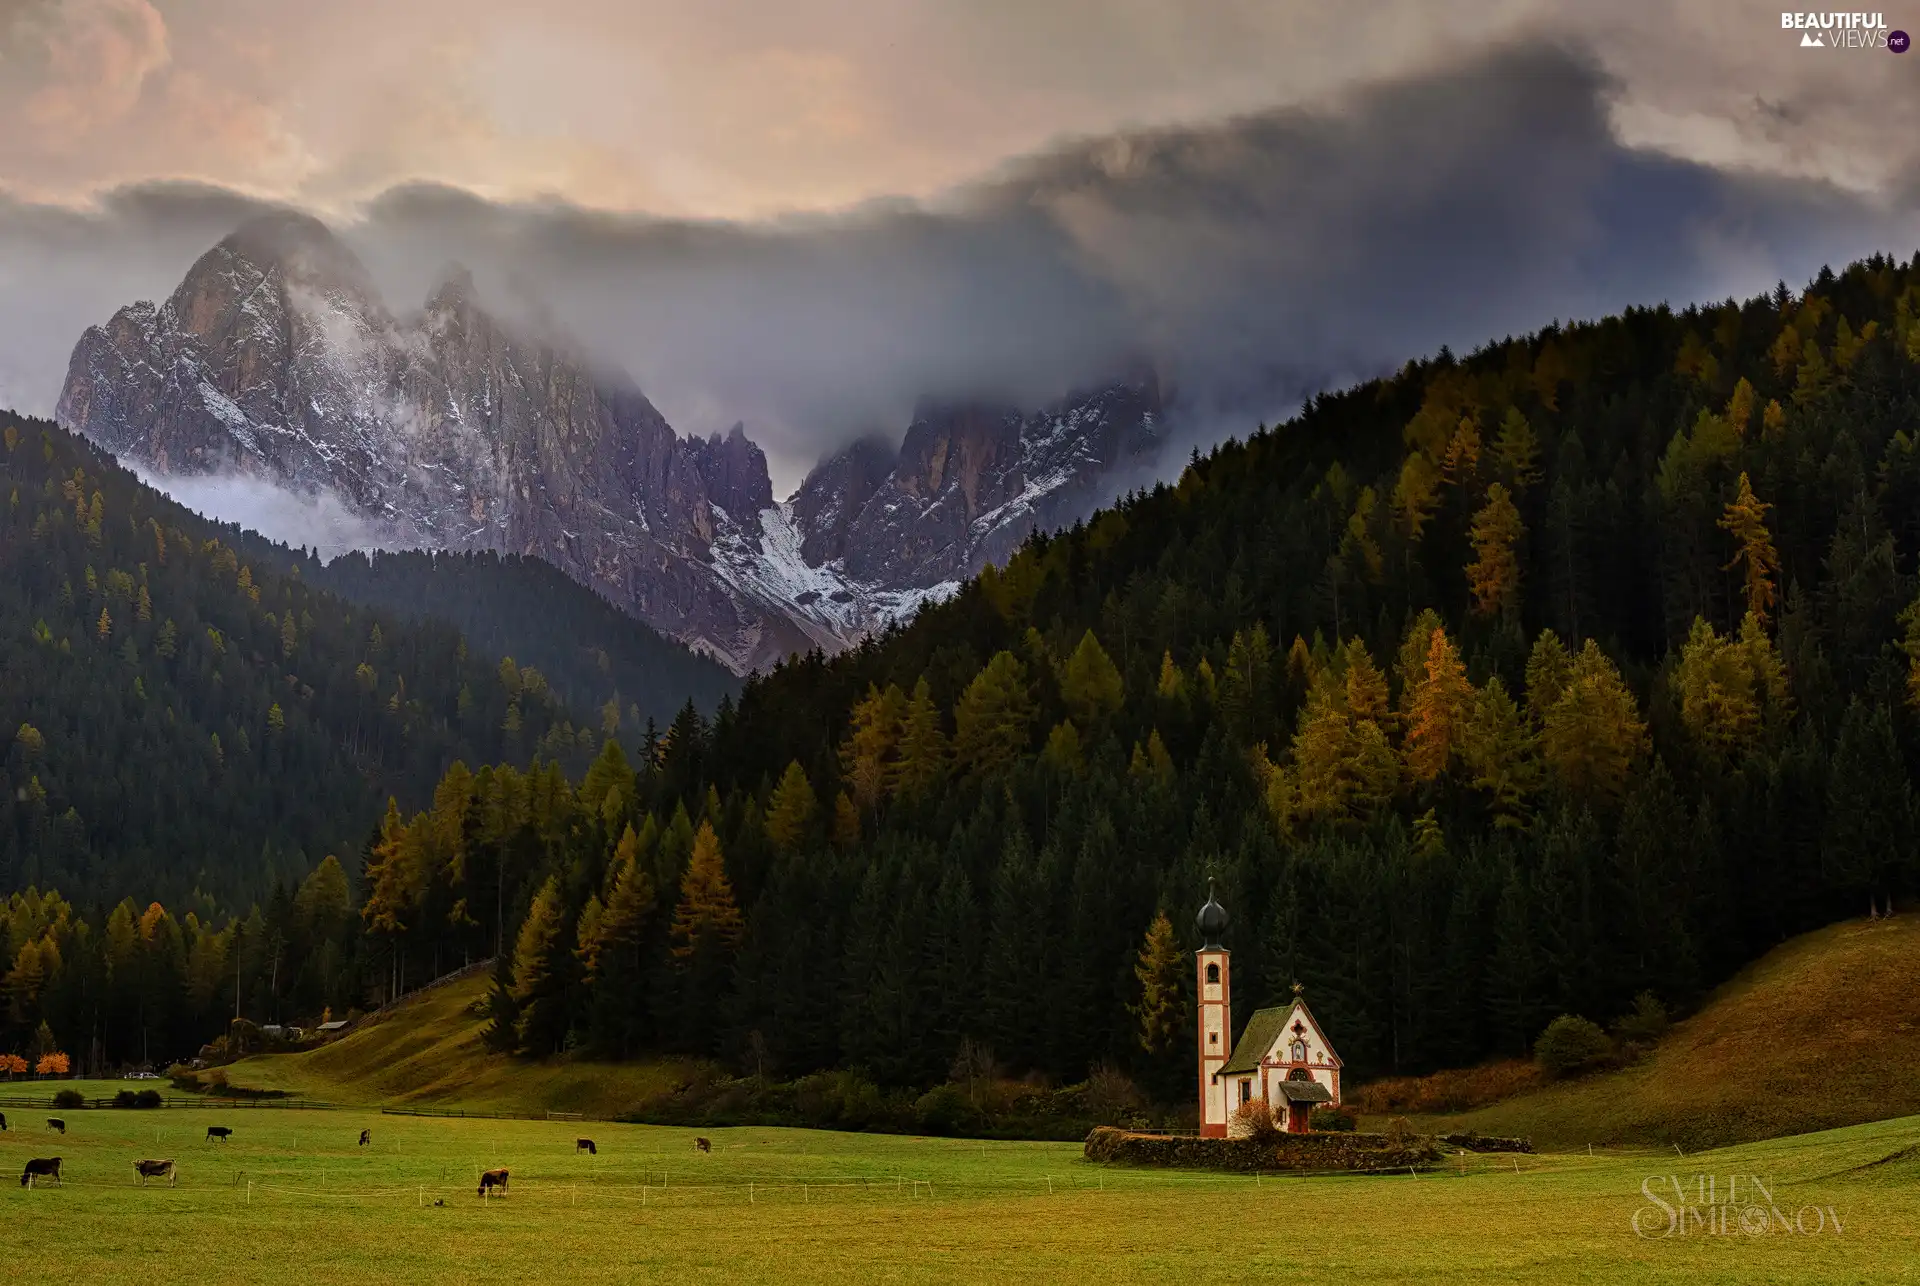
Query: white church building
1282	1058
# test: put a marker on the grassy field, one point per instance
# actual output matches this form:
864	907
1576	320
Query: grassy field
40	1091
293	1199
1824	1031
428	1052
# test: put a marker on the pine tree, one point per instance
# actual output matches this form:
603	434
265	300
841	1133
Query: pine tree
616	1021
539	976
1745	518
1438	710
1494	574
923	746
846	823
1867	847
1062	753
992	717
1517	452
1499	748
1090	684
704	937
1593	733
1910	646
1160	969
1731	691
867	751
790	810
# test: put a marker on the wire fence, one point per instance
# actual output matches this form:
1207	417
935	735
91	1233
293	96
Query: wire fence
223	1104
785	1190
471	1115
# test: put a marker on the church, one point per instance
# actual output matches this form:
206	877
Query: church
1282	1057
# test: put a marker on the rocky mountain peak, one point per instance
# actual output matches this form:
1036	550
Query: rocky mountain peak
448	428
736	475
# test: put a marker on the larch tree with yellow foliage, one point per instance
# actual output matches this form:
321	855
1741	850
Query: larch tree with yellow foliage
706	931
790	809
1437	711
1754	554
867	751
1494	573
1593	732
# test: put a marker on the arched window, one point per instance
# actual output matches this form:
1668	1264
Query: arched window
1213	973
1299	1074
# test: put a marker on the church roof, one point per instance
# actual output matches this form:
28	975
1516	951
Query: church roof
1305	1092
1263	1032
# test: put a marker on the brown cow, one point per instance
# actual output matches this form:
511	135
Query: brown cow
584	1145
493	1179
41	1168
366	1137
144	1170
702	1145
57	1125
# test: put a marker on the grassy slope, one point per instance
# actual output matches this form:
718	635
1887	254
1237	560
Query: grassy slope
292	1200
1824	1031
427	1051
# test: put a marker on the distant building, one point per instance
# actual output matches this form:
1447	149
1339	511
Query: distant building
1283	1058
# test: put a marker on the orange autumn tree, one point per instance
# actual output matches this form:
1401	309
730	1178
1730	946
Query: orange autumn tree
1437	710
1746	519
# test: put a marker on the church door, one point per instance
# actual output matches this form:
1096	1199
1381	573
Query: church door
1297	1116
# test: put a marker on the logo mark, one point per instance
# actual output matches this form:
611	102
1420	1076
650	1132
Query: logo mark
1899	42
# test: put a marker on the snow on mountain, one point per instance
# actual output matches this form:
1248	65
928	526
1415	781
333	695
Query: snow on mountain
275	360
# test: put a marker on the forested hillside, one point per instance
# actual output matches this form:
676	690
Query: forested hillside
181	720
601	661
1510	685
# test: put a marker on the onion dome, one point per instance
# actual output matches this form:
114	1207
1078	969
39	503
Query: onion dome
1212	922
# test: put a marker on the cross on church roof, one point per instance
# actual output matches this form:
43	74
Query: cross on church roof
1297	988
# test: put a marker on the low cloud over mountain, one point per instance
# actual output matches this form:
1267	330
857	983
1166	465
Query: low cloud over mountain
1250	260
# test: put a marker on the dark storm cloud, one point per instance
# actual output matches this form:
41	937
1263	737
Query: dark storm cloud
1253	260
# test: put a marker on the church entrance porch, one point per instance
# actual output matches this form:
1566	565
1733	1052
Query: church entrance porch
1300	1097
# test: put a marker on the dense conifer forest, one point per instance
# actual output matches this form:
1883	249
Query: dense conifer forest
183	721
598	659
1514	684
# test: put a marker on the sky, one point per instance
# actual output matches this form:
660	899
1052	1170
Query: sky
810	214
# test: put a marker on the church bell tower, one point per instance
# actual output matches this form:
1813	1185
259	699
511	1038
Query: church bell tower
1216	1016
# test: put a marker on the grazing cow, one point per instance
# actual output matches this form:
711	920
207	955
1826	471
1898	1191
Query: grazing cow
493	1179
702	1145
3	1120
144	1170
41	1168
584	1145
57	1125
366	1137
220	1132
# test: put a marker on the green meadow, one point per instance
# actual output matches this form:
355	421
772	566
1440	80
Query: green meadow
293	1198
